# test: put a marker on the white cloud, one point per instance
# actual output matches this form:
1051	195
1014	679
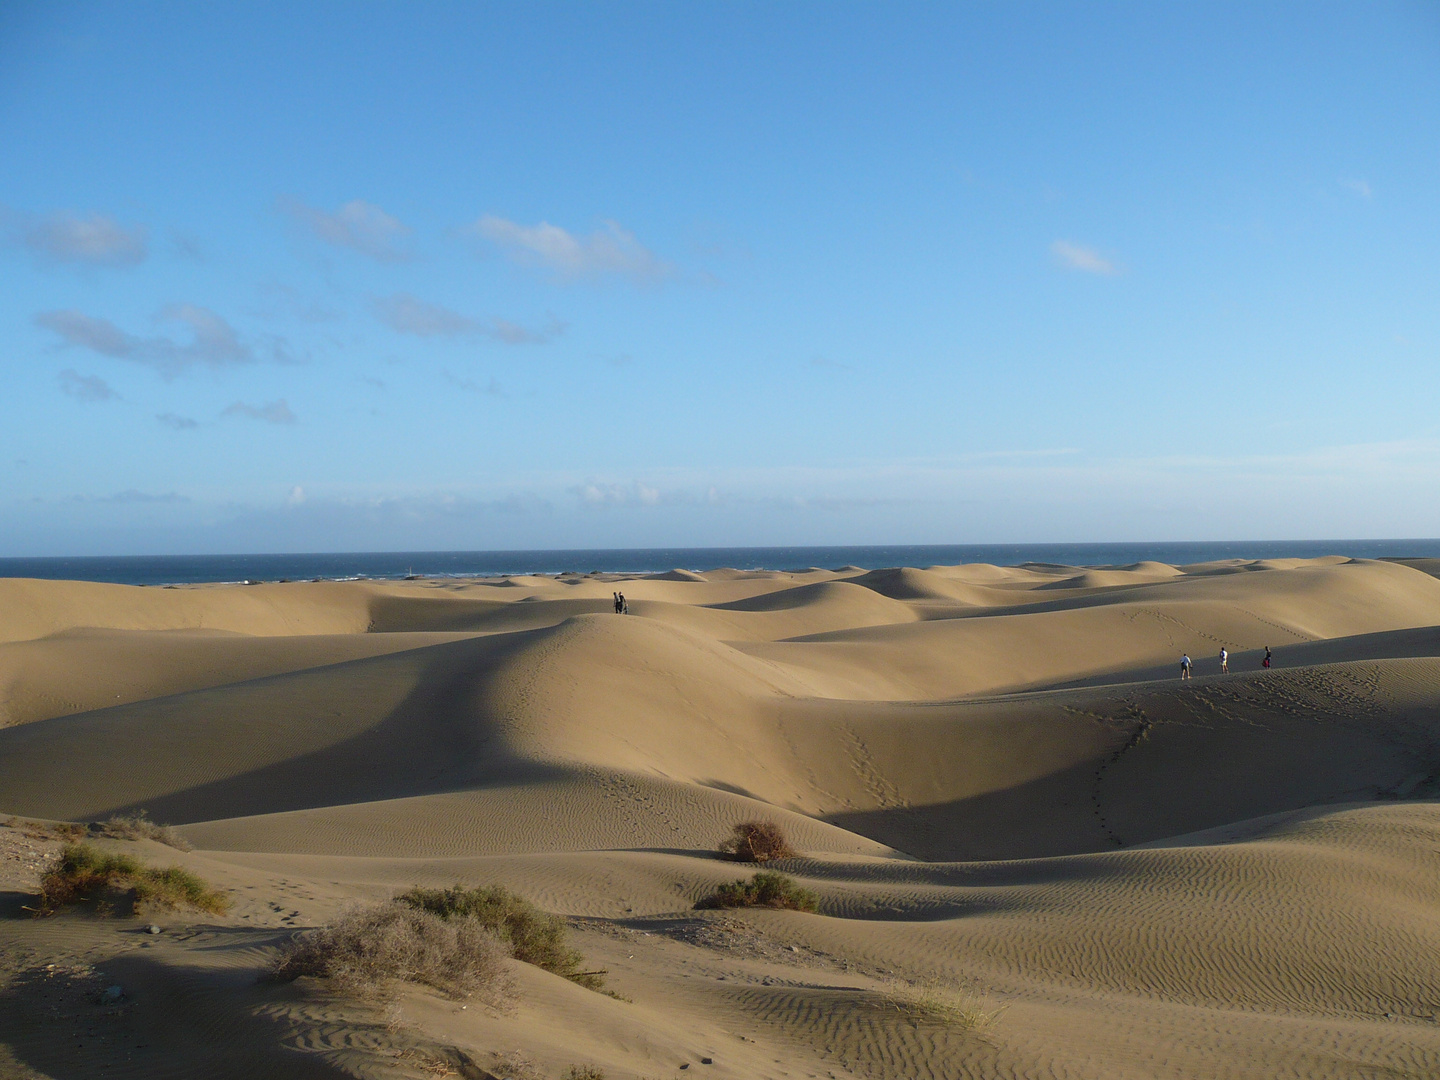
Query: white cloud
609	250
1074	257
97	240
213	342
358	225
86	387
1357	187
296	496
407	314
272	412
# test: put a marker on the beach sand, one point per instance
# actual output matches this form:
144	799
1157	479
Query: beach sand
1001	792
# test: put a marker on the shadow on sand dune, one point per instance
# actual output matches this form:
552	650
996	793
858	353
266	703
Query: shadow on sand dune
439	737
58	1021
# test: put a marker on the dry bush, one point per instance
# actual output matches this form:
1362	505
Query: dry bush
72	831
765	889
757	842
584	1072
534	936
138	826
366	948
516	1066
86	873
944	1004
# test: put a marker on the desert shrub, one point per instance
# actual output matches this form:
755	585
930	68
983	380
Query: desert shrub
765	889
366	948
49	830
757	842
87	873
944	1004
584	1072
138	826
534	936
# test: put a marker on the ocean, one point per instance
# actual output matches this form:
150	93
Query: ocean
189	569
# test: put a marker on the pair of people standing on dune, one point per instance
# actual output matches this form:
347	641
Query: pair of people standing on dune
1186	664
621	606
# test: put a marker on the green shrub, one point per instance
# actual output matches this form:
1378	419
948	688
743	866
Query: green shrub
534	936
85	873
765	889
365	948
757	842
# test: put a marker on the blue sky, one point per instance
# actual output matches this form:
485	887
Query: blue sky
382	276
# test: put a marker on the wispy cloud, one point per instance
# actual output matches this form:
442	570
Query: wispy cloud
358	225
187	246
133	496
213	342
490	389
407	314
1357	187
1074	257
595	493
610	250
179	423
86	387
63	237
272	412
514	334
279	301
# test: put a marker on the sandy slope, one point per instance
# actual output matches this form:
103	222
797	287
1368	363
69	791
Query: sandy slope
996	779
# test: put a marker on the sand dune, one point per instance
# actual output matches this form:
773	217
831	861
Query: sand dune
995	777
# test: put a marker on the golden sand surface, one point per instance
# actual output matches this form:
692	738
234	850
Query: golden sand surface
1000	790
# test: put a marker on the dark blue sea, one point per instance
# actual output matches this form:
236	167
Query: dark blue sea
184	569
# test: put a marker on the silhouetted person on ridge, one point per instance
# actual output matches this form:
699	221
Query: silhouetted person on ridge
1185	666
1266	662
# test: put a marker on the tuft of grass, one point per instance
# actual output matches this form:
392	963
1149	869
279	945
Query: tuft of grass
86	873
138	826
944	1004
765	889
366	948
534	936
757	842
584	1072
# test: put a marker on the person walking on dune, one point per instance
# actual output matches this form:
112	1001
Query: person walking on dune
1185	666
1224	659
1266	662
